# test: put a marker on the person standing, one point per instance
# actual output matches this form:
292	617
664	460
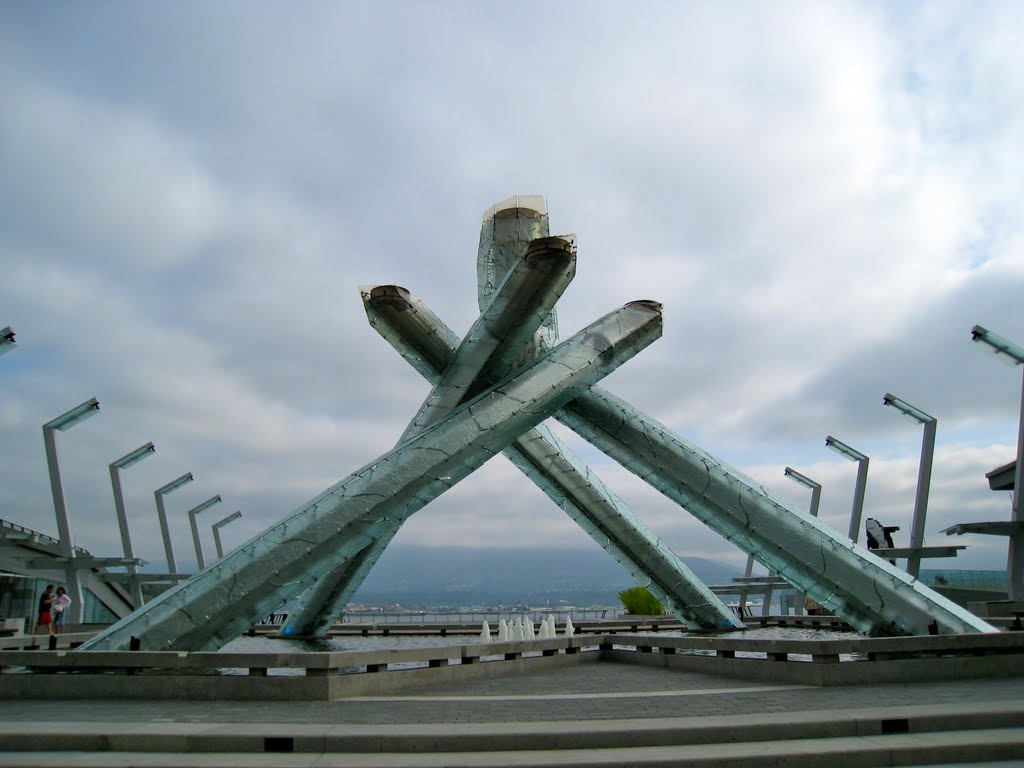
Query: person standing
45	601
59	609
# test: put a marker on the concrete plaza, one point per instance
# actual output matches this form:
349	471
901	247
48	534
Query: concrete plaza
590	713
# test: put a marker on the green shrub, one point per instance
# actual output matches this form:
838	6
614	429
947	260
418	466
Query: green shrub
639	602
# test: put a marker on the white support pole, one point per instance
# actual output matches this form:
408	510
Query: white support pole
924	481
165	533
192	515
858	498
67	545
126	540
216	532
1015	554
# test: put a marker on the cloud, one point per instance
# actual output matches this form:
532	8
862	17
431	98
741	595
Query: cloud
824	197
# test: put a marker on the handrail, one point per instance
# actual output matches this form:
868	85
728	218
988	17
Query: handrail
39	534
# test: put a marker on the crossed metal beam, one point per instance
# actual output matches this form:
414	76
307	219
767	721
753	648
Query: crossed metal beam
335	532
811	555
492	389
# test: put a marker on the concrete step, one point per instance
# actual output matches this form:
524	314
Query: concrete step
937	748
258	738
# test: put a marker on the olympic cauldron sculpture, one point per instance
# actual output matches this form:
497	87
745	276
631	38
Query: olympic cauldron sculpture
492	391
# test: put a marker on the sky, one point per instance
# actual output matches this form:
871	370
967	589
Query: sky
825	197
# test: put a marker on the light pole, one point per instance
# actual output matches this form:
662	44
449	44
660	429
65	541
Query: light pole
806	482
216	531
924	476
815	498
7	342
67	547
192	513
165	531
862	481
122	518
1008	352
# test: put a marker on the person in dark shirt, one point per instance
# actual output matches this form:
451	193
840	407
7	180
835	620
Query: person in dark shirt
45	601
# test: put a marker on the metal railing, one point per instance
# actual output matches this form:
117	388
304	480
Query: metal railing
39	535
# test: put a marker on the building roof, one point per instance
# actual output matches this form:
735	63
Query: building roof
1001	478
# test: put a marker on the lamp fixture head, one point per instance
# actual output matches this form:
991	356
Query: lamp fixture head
175	484
134	457
1005	350
804	480
907	409
7	342
77	414
205	505
842	448
228	519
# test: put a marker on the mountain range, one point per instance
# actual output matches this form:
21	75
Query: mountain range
429	577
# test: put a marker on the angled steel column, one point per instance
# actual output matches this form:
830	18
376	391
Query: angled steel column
67	545
428	345
574	487
874	597
1011	354
216	532
319	608
1015	558
815	487
218	604
494	343
161	513
860	486
806	482
551	465
115	467
521	273
506	231
192	515
488	353
924	476
870	594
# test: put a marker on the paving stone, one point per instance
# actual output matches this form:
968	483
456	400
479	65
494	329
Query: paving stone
604	690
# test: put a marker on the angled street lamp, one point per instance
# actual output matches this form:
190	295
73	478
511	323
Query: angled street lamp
862	481
1011	354
216	531
924	476
124	462
192	514
67	546
7	342
806	482
165	531
815	498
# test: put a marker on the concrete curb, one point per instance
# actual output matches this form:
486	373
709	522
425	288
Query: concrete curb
254	739
846	752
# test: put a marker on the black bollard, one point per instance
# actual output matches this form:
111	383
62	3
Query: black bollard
933	628
134	644
53	642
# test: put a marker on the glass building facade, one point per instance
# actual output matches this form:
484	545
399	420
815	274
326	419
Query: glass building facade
19	599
